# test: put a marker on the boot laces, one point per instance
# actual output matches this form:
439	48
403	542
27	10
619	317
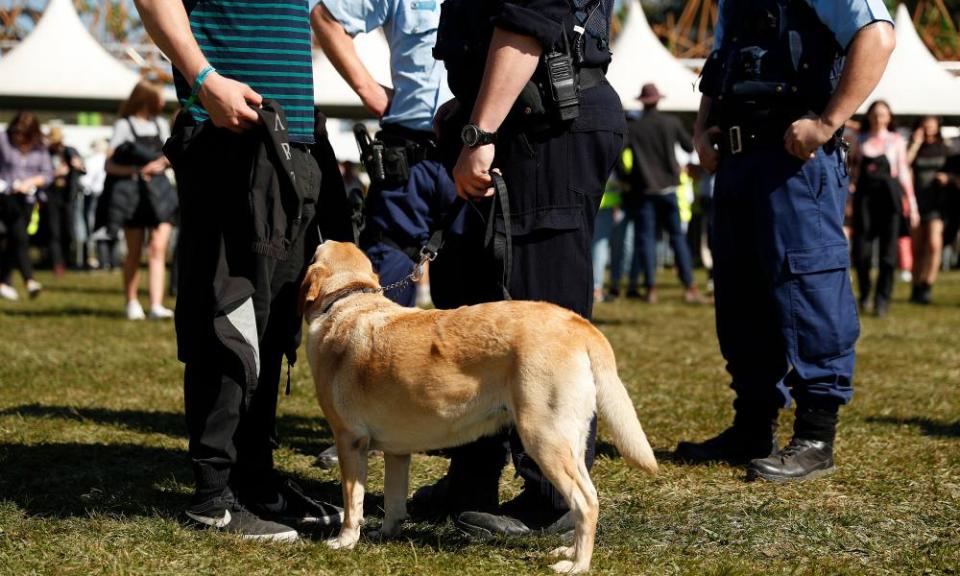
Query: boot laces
791	449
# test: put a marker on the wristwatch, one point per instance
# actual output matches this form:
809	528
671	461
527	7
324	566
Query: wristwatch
472	136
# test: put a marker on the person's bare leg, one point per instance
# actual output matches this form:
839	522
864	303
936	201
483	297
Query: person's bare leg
920	235
934	246
157	262
131	265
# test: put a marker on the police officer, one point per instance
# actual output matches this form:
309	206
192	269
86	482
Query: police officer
533	105
783	79
401	208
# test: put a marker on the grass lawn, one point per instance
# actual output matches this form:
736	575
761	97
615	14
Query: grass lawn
93	468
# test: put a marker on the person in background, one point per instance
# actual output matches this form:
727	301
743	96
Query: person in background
884	187
607	218
656	174
142	197
927	155
25	168
68	167
91	182
622	256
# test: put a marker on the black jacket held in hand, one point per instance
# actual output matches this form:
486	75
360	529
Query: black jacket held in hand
249	205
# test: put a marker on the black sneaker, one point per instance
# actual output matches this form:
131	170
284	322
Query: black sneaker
288	503
228	516
799	460
734	446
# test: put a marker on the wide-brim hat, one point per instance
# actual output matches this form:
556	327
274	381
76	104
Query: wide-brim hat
650	94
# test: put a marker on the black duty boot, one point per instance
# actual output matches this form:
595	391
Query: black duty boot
799	460
809	454
527	514
733	445
750	437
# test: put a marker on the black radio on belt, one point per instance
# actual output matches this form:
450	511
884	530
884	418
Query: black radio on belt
563	85
385	164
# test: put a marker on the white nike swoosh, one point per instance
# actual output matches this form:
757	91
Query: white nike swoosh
213	522
278	506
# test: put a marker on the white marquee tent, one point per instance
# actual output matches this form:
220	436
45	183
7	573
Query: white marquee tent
332	94
639	57
914	82
61	65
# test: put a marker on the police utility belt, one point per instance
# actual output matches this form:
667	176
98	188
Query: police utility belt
762	129
389	156
741	138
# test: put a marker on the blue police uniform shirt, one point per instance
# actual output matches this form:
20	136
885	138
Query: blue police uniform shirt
419	81
843	17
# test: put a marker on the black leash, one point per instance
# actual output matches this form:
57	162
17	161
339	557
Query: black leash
500	241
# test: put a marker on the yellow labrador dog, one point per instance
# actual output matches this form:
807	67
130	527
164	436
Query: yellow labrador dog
404	380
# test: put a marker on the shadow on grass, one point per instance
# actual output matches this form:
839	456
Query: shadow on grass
928	426
70	479
302	434
169	423
70	312
607	450
74	289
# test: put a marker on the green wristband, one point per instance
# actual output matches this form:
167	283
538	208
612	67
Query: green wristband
197	84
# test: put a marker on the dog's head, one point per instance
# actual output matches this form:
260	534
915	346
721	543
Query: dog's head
336	267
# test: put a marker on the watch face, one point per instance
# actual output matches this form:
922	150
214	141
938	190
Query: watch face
470	135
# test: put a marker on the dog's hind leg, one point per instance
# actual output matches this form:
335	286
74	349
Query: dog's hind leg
352	452
560	457
396	483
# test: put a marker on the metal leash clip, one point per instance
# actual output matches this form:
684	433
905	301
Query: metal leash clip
426	255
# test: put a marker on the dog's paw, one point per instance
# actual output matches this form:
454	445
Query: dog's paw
563	552
341	543
569	567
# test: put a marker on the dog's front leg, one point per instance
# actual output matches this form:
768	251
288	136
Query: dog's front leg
352	452
396	482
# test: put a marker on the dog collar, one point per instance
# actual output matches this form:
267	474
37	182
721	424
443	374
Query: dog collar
346	293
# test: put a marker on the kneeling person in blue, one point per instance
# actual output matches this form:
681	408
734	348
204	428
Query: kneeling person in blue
402	208
783	79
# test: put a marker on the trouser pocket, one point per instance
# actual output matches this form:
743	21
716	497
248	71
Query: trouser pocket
822	310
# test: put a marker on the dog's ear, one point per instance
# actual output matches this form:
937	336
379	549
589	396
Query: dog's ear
310	288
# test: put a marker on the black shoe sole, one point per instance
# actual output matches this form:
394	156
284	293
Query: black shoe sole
476	533
754	475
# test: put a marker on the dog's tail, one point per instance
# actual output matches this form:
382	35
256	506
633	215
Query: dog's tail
617	409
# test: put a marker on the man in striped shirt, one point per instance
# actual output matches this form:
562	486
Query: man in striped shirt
228	56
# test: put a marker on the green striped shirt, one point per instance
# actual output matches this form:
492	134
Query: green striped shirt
263	44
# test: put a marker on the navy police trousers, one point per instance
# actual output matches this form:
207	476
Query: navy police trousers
407	214
786	317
